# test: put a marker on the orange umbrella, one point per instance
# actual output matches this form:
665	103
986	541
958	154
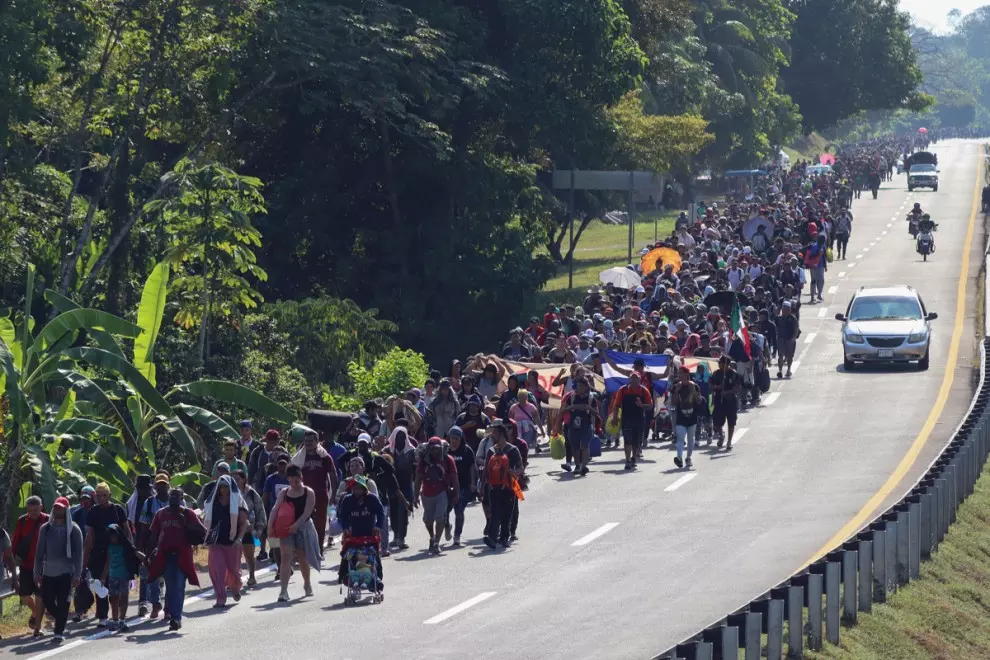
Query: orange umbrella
660	256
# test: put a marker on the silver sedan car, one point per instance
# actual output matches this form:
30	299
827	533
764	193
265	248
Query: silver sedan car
886	325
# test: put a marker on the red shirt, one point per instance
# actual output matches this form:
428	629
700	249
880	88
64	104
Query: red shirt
626	398
316	473
26	528
432	486
170	528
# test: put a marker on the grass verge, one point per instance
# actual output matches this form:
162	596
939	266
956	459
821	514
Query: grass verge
943	616
603	246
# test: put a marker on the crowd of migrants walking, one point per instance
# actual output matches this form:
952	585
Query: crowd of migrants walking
672	349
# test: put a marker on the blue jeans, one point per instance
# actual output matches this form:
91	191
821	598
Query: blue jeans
175	586
149	591
688	433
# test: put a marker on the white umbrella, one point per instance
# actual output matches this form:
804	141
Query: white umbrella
620	278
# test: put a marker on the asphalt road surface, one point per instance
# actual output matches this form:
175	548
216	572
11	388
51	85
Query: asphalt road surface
623	565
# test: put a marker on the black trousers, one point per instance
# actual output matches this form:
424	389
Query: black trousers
55	594
398	518
502	504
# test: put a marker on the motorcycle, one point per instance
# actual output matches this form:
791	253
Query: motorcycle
912	225
926	241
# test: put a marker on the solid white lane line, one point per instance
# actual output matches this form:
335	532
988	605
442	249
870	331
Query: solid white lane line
794	366
770	398
454	611
833	289
739	435
810	337
601	531
680	482
822	312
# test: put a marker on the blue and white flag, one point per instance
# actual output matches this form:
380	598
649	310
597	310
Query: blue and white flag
656	365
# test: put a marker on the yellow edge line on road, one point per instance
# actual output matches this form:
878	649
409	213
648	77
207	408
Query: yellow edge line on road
911	456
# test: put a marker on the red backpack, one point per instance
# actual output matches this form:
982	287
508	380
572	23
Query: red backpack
499	475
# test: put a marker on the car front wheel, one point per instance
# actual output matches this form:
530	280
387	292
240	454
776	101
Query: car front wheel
847	364
923	362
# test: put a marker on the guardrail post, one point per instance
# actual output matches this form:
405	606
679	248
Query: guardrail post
940	505
879	529
792	597
724	641
833	582
773	620
849	556
890	554
952	476
694	651
816	586
864	554
927	538
914	537
903	541
750	626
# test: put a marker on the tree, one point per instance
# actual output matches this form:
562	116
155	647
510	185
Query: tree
208	216
849	56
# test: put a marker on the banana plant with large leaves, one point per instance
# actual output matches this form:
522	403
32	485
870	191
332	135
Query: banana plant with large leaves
45	433
146	414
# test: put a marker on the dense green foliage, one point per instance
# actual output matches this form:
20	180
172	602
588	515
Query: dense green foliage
296	162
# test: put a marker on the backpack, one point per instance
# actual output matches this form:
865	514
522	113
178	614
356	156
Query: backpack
498	472
435	472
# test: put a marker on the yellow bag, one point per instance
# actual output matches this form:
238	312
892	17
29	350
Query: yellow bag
828	255
557	448
613	425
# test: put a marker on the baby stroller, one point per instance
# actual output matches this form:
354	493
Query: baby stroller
663	429
361	568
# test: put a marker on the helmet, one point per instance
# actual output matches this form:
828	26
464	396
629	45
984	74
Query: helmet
917	205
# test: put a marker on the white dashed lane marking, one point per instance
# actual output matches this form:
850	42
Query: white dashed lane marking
833	289
601	531
454	611
823	312
680	482
769	399
810	337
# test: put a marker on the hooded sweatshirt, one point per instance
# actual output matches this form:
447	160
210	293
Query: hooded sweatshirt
60	550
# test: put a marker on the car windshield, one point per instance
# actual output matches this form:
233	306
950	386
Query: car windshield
922	168
885	308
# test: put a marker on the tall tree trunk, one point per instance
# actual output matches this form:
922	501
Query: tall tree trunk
205	301
120	208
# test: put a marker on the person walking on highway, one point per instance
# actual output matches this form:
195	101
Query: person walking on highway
319	474
226	521
632	399
174	531
82	597
686	400
816	264
150	591
95	545
788	331
503	465
257	523
291	522
467	480
58	564
726	386
436	485
843	230
25	544
581	409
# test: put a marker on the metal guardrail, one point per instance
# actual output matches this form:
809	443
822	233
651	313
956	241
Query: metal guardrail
866	568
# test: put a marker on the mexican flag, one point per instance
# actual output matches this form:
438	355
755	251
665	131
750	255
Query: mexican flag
739	327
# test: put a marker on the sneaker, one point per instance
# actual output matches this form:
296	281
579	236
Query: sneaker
728	447
123	627
174	625
113	625
102	623
263	556
566	467
447	531
628	465
678	462
237	596
308	590
252	582
77	618
155	611
434	548
513	538
721	441
283	597
143	610
58	639
584	470
780	374
457	542
688	463
490	542
505	544
403	545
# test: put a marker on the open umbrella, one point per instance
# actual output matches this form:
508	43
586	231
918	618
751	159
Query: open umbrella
750	227
922	130
620	278
658	257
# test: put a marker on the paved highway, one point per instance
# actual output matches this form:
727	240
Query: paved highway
623	565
